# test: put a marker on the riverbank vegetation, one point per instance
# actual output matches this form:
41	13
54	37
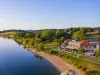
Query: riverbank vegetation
45	40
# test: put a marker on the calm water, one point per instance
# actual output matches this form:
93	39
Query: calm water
15	60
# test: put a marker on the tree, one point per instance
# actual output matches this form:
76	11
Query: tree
31	42
61	40
84	30
80	50
38	40
99	31
76	36
60	33
98	53
79	36
27	35
25	41
82	36
46	35
33	34
18	35
38	34
40	47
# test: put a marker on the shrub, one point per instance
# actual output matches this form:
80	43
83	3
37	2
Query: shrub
84	69
40	47
93	72
54	52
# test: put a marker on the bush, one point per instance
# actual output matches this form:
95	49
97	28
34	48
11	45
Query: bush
84	69
92	73
40	47
53	52
38	40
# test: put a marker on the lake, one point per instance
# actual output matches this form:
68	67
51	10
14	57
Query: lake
15	60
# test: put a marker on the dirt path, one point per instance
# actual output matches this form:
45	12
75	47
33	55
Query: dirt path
60	64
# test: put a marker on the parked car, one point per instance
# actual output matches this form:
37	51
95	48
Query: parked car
68	72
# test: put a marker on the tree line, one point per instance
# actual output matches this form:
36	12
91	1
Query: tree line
59	35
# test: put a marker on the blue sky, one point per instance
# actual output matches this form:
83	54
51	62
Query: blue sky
41	14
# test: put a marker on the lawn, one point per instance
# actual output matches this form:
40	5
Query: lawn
95	59
84	65
95	32
50	44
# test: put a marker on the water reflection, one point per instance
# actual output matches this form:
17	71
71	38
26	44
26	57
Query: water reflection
15	60
38	56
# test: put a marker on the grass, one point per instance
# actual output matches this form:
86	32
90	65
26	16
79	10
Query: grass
50	44
84	66
95	59
6	34
95	32
88	65
81	64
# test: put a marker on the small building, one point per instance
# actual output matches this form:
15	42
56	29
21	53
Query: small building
95	44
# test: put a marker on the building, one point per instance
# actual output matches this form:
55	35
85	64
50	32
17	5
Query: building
85	44
95	44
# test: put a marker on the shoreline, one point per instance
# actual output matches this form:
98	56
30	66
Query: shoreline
59	63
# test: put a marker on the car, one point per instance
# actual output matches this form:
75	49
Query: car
68	72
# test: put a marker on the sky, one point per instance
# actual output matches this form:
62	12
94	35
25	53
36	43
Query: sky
49	14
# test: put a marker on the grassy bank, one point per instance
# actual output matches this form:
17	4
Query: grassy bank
87	67
6	34
94	59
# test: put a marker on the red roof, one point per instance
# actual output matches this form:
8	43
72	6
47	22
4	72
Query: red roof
85	43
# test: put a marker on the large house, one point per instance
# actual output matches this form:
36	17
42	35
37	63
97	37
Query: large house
74	45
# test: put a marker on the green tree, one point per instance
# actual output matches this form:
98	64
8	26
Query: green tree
79	36
28	35
99	31
31	42
98	53
60	41
25	41
62	33
83	30
18	35
40	47
80	51
76	36
46	35
38	40
33	34
82	36
38	34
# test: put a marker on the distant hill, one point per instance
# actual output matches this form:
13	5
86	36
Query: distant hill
15	30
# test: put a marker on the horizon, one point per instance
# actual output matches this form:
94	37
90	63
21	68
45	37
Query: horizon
48	28
48	14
